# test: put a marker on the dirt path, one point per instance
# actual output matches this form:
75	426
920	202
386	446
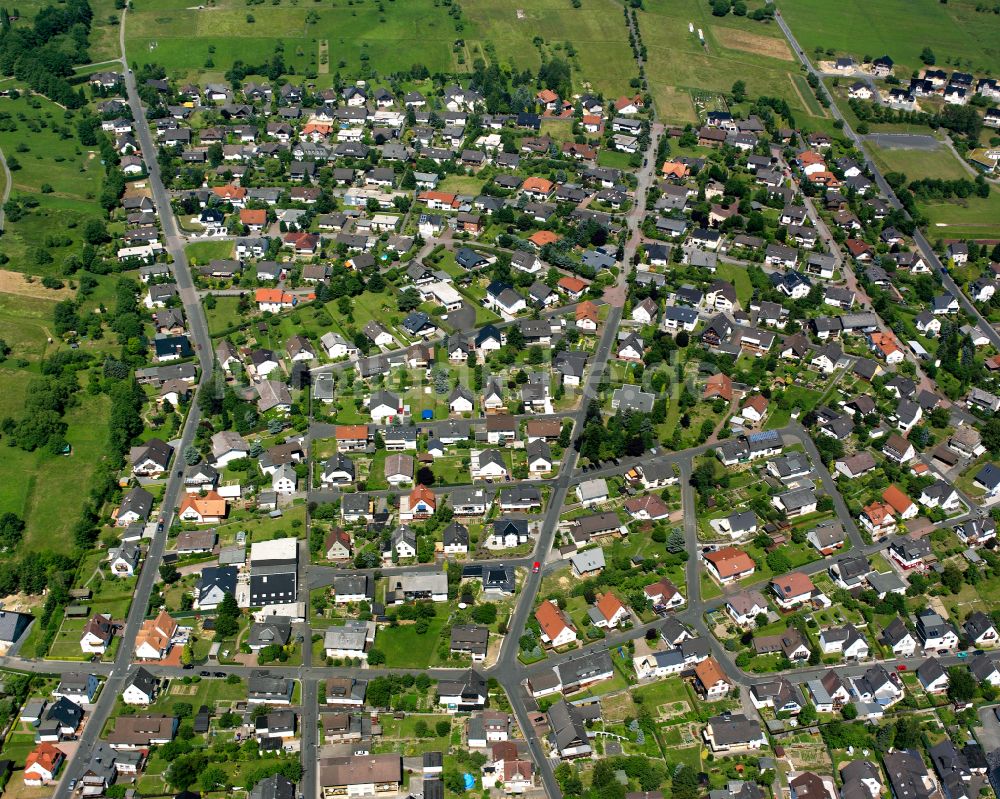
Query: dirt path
6	187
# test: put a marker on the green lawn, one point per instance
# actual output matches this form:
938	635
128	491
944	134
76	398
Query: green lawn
405	648
261	527
737	275
613	159
461	184
17	747
224	315
400	735
205	692
201	252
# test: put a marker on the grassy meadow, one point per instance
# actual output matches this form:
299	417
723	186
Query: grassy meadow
202	42
955	31
57	172
681	69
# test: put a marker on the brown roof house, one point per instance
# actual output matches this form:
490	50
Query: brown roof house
141	732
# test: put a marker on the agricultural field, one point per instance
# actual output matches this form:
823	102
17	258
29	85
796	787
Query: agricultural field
683	74
51	168
956	32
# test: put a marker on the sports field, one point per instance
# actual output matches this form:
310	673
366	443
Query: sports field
378	38
974	218
955	31
736	48
917	164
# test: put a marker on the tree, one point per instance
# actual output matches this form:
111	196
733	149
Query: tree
11	530
376	657
807	715
420	728
739	91
454	782
778	561
169	573
927	56
95	232
908	732
675	542
379	692
951	578
213	778
684	783
961	684
408	300
485	613
227	622
442	728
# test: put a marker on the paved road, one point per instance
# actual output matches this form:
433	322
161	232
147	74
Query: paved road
309	734
507	668
199	332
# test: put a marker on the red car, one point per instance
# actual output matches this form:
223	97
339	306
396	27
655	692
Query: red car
901	667
535	567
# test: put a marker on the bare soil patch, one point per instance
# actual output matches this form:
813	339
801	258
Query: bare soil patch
618	707
808	757
749	42
671	710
